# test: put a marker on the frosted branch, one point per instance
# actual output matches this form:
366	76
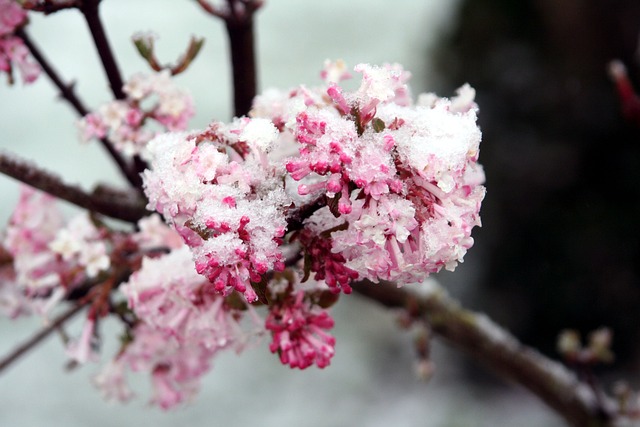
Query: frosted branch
490	344
121	206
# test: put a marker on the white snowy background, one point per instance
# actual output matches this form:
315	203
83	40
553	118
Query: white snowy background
371	380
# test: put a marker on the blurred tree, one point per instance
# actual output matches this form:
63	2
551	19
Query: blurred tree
561	241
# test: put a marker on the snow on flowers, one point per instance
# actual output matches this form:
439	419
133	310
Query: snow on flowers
317	188
398	186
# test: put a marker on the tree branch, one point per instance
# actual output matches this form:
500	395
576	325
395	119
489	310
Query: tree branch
90	10
487	342
238	18
241	45
67	93
38	337
126	208
48	7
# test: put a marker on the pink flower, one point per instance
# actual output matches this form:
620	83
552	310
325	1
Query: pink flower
11	16
404	179
33	224
334	71
168	294
327	265
13	52
49	258
298	333
123	122
219	190
175	368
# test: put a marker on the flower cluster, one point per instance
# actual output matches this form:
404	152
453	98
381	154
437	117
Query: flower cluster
13	52
127	123
298	332
168	295
49	258
285	209
402	183
220	191
181	325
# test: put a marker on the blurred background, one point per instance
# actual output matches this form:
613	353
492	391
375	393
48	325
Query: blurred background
559	247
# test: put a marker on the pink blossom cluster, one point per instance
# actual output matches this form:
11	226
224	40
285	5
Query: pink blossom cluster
50	258
181	325
321	183
13	51
128	123
175	367
401	180
221	192
169	295
298	329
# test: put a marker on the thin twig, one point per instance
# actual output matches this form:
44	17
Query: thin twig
38	337
90	10
487	342
129	209
67	93
238	18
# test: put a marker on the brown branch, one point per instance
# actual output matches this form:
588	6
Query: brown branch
126	208
67	93
90	10
241	45
48	7
238	17
487	342
38	337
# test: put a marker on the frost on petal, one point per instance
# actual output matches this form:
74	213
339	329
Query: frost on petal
438	144
230	213
404	182
261	133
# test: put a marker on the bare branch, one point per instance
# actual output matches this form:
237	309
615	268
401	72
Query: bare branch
90	10
67	92
238	18
243	63
493	346
121	207
38	337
